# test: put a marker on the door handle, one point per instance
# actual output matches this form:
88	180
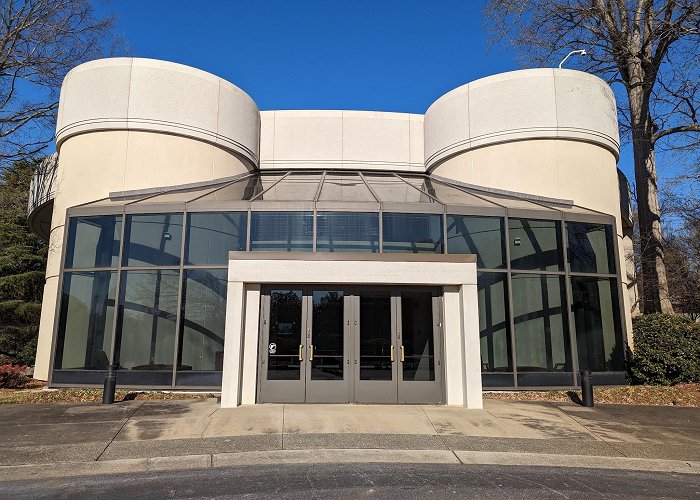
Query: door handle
311	352
402	354
301	352
392	353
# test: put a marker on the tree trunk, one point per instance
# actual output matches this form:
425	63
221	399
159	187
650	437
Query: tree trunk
654	296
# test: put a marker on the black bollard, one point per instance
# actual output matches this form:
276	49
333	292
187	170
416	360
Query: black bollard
110	385
587	388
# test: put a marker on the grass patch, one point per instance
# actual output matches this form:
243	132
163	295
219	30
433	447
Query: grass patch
657	395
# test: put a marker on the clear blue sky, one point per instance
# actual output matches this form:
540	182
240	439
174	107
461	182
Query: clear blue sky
381	55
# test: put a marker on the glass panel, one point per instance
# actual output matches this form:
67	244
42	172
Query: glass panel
345	188
392	189
535	244
238	191
412	233
590	248
417	330
283	361
87	318
347	232
511	201
282	231
541	339
451	195
212	235
483	236
203	319
597	318
146	326
493	323
94	241
153	240
294	187
180	196
375	336
328	335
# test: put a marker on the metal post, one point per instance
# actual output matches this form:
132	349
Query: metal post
110	385
587	388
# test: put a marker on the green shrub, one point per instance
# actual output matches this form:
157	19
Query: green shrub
666	350
13	376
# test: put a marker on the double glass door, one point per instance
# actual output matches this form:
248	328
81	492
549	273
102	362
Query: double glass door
338	344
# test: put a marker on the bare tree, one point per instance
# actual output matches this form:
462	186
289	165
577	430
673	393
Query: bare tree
651	48
40	41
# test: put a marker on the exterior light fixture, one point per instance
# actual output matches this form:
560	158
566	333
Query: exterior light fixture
579	52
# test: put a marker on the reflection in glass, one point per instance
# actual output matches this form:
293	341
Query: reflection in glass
483	236
597	319
282	231
389	188
328	337
212	235
146	326
93	241
493	322
348	187
535	244
283	361
590	248
417	340
375	336
153	240
86	321
541	339
412	233
203	319
294	187
347	232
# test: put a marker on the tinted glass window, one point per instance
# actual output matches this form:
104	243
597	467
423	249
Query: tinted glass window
590	248
535	244
539	314
347	232
93	241
493	322
282	231
86	322
203	319
597	319
153	240
146	327
483	236
212	235
412	233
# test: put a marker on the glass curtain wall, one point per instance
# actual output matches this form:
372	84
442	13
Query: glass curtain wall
147	291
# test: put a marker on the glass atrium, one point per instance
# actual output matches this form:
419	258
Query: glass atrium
144	274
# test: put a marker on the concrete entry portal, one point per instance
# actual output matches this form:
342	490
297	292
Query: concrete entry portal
335	344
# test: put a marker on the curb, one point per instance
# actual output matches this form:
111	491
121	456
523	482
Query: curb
338	456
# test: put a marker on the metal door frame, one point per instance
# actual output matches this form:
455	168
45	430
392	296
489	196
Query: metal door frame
329	391
375	391
280	391
422	392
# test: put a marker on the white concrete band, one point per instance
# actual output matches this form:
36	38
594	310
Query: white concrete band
461	332
157	96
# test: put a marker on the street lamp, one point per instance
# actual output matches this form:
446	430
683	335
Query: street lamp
580	52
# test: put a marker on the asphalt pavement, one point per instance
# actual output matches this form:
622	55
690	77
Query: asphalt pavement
390	481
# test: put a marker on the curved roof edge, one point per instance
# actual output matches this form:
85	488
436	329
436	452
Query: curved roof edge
125	93
521	105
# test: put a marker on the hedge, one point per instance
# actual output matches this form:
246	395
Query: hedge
666	350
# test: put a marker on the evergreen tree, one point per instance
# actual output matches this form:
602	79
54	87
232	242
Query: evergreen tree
22	267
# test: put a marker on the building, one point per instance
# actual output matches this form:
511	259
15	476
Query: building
332	256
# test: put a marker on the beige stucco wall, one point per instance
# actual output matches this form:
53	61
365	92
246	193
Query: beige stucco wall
367	140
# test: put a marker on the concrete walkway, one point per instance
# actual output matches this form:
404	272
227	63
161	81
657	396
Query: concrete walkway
198	433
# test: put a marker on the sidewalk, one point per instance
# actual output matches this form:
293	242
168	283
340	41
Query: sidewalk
74	439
